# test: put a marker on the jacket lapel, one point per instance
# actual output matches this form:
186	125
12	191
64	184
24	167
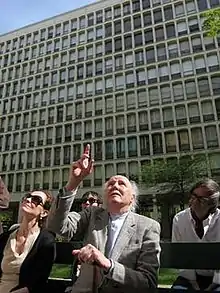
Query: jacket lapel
124	236
101	227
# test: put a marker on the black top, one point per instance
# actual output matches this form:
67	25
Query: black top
38	263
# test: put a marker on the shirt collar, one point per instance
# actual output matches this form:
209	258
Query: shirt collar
114	217
207	221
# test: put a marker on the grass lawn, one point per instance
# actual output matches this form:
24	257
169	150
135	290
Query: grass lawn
166	276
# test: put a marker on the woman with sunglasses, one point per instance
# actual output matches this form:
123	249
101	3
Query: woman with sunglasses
27	252
91	199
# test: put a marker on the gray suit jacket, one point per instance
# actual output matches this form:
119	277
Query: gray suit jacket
135	254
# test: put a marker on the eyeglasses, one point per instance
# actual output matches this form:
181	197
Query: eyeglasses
35	199
91	200
202	200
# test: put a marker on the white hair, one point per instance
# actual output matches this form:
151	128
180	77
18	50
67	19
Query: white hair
135	192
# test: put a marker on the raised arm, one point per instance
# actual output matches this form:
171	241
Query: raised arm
60	219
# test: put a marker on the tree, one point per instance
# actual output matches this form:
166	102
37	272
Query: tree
212	22
171	179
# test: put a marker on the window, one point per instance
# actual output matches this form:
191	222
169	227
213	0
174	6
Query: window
190	88
128	60
152	75
108	84
200	65
131	122
148	35
194	116
175	70
120	148
170	140
150	55
120	102
203	85
127	24
144	145
180	115
109	104
120	124
165	94
157	143
129	79
153	96
184	47
207	111
155	118
131	100
141	77
215	84
173	50
197	138
168	12
183	138
168	117
196	44
170	30
211	136
212	61
163	72
190	7
142	98
187	67
179	10
119	82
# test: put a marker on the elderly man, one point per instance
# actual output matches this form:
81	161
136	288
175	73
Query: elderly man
121	249
199	223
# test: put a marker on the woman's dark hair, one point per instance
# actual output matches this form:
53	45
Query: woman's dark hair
208	183
94	194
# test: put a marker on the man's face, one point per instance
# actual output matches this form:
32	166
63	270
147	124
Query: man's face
201	201
118	193
90	201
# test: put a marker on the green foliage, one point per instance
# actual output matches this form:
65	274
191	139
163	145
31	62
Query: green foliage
179	174
212	22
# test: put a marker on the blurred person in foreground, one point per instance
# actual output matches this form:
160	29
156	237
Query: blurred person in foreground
88	199
121	248
4	199
199	223
27	252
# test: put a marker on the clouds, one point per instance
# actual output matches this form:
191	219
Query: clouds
18	13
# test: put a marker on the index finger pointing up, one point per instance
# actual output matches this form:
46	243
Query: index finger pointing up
87	151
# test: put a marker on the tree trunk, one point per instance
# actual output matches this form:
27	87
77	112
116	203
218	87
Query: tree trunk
182	197
165	221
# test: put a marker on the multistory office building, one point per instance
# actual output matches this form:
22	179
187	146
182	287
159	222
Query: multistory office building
138	79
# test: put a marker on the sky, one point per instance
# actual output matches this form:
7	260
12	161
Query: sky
18	13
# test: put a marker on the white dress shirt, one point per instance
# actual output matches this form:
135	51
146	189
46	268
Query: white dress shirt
183	230
115	224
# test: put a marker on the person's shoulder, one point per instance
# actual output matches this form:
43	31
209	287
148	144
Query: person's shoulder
146	221
47	236
182	215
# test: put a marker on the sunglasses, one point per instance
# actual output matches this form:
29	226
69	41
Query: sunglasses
37	200
90	200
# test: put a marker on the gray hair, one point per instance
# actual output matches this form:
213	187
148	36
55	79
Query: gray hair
135	192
